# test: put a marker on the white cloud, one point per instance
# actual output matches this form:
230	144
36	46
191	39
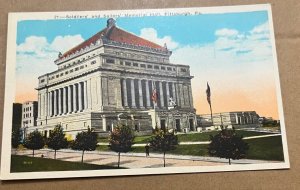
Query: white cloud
151	35
64	43
35	57
234	62
226	32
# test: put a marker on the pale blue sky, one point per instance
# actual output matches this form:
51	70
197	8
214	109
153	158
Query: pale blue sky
197	29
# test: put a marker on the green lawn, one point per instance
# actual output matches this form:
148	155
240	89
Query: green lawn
192	137
205	135
30	164
269	148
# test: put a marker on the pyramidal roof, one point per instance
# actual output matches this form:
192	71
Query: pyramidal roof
113	33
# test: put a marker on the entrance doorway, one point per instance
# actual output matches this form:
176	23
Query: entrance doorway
191	121
178	125
163	124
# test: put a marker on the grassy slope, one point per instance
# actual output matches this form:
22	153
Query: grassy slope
192	136
269	148
29	164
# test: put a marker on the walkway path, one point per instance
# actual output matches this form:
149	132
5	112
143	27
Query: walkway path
136	160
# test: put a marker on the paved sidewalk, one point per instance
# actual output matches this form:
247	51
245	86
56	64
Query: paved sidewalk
135	160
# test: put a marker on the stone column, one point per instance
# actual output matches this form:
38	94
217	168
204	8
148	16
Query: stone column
140	93
173	92
46	104
50	103
59	102
80	96
161	95
133	105
104	122
168	93
85	95
65	100
177	94
181	97
55	102
191	96
69	99
74	98
147	94
124	86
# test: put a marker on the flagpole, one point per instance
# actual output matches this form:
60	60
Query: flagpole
154	104
211	114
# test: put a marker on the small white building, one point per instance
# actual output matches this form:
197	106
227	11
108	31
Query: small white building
238	119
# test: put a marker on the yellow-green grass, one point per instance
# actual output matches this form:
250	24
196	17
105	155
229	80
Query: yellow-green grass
31	164
192	137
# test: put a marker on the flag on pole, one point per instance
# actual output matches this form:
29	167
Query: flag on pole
154	94
208	94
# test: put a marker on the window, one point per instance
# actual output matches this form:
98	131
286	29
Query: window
93	62
143	65
112	61
149	66
163	68
81	67
169	68
174	69
127	63
57	76
42	80
71	71
66	72
61	74
135	64
183	70
76	69
121	63
156	67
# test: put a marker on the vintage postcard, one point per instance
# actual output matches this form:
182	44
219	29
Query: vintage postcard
131	92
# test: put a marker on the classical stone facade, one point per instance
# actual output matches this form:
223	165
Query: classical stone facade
110	78
240	119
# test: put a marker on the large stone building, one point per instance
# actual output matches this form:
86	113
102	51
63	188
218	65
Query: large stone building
110	78
240	119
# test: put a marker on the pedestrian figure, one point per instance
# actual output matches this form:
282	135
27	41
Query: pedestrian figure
147	150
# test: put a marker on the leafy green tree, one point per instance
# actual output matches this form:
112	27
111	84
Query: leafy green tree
163	141
16	137
121	140
57	139
227	144
85	141
34	141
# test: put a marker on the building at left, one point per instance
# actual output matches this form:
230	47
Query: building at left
29	116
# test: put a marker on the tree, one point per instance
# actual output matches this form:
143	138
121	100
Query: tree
85	141
34	141
163	141
227	144
16	137
121	140
57	139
